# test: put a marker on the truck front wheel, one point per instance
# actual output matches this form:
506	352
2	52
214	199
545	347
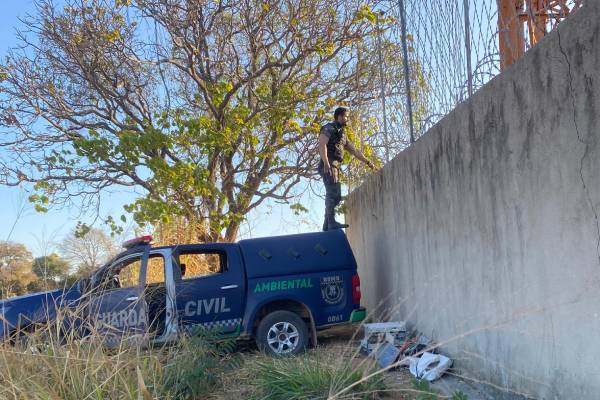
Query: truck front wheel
282	333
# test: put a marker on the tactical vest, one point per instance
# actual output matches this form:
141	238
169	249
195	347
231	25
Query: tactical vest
336	143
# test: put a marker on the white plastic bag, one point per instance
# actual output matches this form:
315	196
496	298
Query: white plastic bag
430	366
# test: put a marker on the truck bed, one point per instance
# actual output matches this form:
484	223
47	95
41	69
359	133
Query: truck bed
297	254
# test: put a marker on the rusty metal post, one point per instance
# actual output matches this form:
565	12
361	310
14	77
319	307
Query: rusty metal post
512	36
537	15
537	11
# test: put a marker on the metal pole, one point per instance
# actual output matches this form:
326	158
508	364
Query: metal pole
468	46
406	70
382	84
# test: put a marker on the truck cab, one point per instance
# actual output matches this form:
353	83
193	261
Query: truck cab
152	294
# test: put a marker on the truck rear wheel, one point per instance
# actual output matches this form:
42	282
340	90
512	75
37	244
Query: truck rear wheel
282	333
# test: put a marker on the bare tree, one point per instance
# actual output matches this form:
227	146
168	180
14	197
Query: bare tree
89	251
206	107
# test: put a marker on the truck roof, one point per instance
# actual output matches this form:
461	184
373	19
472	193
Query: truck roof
294	254
288	254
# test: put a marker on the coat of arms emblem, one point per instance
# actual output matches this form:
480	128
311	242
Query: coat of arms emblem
332	289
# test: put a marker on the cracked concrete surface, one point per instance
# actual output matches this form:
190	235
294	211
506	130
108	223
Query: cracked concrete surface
586	152
485	234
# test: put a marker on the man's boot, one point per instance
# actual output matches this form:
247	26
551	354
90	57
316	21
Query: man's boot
331	224
337	225
332	199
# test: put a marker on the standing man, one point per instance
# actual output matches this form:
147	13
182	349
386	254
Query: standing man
332	142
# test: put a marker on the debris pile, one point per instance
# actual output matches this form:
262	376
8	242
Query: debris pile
390	342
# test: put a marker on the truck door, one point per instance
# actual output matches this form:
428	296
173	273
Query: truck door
210	287
117	306
159	295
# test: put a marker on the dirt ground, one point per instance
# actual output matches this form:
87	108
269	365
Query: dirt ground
336	342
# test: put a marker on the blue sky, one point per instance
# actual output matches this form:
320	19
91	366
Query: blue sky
41	232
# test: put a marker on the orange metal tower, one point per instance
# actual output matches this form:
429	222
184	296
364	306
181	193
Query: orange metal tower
539	16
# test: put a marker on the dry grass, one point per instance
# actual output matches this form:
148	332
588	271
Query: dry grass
42	365
45	365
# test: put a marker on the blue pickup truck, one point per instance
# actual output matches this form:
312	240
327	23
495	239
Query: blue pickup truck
278	290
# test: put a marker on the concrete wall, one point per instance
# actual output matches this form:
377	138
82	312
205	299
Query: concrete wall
485	233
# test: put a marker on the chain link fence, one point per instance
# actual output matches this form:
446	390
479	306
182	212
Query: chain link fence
453	48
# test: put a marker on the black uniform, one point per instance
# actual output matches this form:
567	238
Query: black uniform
335	153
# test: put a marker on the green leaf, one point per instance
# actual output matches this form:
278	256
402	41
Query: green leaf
81	229
298	208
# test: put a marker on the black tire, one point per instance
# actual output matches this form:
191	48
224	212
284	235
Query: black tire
286	342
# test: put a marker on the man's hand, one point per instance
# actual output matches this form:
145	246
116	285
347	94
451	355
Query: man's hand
327	168
331	171
358	154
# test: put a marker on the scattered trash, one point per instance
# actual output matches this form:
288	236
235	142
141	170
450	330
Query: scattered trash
386	355
376	334
388	342
415	344
429	366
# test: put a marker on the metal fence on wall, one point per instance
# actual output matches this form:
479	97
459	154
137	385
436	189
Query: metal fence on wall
454	47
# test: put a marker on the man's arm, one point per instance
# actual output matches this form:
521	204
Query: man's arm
323	140
358	154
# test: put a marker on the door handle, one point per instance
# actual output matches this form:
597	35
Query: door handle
229	287
132	298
